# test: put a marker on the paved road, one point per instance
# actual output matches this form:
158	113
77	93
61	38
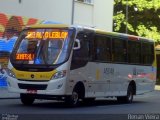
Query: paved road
143	104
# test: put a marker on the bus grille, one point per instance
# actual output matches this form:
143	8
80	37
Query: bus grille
32	86
34	80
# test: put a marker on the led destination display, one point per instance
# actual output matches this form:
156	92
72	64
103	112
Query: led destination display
47	35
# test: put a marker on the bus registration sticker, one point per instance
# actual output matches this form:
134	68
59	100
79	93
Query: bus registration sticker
29	91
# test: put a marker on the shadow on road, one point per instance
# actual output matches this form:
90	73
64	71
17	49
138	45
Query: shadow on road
59	104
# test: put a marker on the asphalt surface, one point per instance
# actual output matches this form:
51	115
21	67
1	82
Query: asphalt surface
5	94
147	103
102	109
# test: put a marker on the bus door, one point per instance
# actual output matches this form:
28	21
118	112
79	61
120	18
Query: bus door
101	60
86	68
80	68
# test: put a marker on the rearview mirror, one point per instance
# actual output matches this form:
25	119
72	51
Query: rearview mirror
77	44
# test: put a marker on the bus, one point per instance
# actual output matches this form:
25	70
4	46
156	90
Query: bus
79	64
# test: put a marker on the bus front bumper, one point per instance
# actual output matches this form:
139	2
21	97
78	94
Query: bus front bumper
52	87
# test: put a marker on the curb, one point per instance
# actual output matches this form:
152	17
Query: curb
9	98
157	87
5	94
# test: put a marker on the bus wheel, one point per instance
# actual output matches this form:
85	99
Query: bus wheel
129	97
73	100
26	99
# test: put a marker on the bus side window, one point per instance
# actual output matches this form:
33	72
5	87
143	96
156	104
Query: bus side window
102	48
134	52
80	56
147	53
119	49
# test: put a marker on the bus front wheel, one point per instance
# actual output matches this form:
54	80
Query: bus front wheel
26	99
73	100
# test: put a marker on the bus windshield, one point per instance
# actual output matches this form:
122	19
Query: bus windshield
43	46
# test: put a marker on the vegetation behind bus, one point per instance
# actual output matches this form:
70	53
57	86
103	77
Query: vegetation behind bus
141	18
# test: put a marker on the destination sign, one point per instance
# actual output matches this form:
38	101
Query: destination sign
47	35
21	56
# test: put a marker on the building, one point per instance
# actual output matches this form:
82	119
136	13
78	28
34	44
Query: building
16	14
94	13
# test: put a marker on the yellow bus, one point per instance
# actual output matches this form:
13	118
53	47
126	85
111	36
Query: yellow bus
76	63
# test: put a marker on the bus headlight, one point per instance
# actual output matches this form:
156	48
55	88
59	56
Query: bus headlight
59	74
10	73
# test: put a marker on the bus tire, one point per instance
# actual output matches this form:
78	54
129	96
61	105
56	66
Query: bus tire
26	99
129	97
73	100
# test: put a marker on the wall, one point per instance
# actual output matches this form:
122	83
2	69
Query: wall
98	15
11	23
54	10
103	13
83	14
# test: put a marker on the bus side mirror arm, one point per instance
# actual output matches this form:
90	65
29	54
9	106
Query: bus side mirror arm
77	44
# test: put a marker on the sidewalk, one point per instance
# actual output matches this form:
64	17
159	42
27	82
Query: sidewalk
5	94
157	87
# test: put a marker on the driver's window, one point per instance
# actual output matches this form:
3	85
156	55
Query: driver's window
80	56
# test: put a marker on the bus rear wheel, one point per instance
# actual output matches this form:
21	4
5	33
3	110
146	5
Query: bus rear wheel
129	97
26	99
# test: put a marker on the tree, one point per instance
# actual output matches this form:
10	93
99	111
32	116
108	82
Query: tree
138	17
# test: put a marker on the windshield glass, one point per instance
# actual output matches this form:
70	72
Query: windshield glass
43	46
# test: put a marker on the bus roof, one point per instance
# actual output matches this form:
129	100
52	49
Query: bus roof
122	35
98	31
49	26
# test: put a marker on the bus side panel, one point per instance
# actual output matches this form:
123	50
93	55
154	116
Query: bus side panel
106	79
145	79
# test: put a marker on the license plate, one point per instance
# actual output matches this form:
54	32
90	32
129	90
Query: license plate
32	91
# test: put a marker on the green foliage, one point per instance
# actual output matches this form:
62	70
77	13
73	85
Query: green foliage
142	18
119	18
152	33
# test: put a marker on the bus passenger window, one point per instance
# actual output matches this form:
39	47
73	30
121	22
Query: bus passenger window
102	48
134	52
119	50
147	53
